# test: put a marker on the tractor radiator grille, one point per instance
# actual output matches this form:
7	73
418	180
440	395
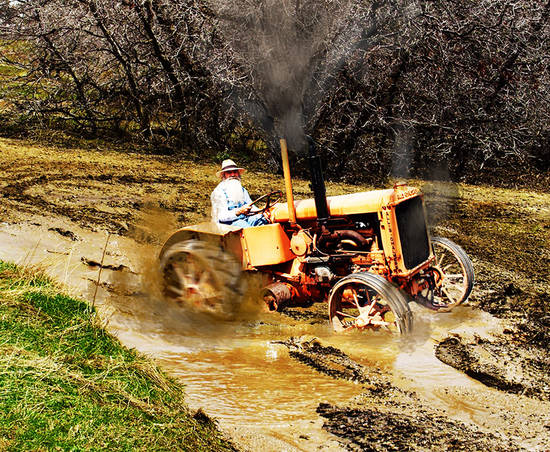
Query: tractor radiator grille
412	232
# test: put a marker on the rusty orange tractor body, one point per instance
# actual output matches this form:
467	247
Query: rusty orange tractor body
368	254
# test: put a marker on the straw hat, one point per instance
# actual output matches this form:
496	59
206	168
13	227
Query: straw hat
229	165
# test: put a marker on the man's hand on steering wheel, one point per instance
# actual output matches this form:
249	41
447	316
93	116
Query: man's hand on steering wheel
244	210
270	200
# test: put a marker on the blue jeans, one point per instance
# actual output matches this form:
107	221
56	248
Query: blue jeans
246	222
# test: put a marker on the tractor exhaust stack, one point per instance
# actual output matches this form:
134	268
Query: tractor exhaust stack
317	182
288	183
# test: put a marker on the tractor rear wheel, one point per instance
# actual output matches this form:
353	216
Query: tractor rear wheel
451	279
366	301
202	277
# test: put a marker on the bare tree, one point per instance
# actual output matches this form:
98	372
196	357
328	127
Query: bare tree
385	86
466	86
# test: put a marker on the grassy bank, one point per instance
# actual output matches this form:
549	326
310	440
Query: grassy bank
66	384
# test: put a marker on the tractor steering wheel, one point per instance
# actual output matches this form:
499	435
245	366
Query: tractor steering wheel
277	195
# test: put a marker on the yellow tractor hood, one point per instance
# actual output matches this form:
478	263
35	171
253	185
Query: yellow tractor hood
354	203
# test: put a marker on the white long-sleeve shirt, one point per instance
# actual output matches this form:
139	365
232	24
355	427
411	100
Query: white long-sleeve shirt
226	198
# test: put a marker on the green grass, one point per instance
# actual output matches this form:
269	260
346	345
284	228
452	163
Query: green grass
67	384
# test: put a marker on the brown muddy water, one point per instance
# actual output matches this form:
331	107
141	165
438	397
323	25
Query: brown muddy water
237	372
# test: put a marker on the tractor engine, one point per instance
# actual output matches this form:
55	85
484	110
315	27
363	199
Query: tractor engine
338	236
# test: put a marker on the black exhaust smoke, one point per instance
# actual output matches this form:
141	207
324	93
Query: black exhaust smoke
317	182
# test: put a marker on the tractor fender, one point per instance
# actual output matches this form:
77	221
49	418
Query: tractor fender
180	235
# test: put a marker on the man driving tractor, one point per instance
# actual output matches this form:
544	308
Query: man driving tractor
367	254
231	203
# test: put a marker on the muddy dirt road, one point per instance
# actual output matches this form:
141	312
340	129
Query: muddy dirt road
474	379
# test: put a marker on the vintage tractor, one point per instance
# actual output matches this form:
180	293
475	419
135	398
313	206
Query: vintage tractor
367	254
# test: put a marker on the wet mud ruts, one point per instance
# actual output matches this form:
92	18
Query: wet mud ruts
386	417
65	233
372	429
519	369
328	360
114	267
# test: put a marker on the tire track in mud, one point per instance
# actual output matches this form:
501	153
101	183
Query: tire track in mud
87	213
83	215
385	416
392	430
488	362
333	362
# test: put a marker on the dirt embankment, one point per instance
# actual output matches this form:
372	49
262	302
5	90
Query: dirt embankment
506	232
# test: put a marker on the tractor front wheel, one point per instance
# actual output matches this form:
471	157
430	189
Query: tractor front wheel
450	280
366	301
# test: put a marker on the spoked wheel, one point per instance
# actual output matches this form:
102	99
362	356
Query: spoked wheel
365	301
201	277
450	280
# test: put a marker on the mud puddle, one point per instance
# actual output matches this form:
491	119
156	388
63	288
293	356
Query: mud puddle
257	392
242	373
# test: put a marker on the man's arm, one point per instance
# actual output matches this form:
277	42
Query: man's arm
248	201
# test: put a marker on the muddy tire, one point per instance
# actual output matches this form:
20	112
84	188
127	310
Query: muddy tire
202	277
457	272
366	301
